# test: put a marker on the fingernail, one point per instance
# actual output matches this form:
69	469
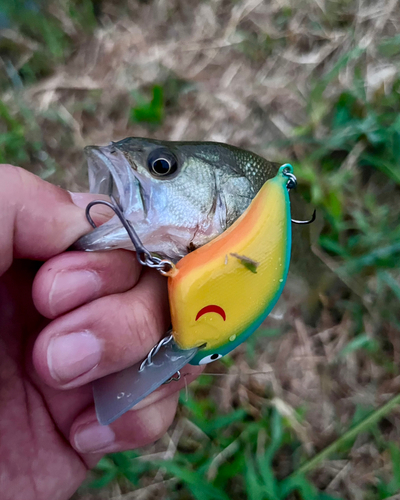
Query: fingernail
93	437
72	355
75	287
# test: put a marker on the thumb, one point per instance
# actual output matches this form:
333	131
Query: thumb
37	219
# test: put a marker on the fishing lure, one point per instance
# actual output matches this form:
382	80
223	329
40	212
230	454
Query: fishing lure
219	294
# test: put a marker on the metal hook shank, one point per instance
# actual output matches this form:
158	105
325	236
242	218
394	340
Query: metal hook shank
292	184
314	216
119	213
143	255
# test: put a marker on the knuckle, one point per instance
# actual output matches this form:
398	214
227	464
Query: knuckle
10	172
10	175
14	180
10	189
7	167
145	325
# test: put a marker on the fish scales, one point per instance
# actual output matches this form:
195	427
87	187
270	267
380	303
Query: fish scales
177	195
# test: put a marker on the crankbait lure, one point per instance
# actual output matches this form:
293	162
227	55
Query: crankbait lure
219	295
222	292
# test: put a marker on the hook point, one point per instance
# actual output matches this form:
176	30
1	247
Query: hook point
314	216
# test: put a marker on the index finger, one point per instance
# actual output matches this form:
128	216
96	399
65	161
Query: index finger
37	220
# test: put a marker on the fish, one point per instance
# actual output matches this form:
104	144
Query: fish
178	196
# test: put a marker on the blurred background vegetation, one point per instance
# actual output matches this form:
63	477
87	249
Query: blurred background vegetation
308	408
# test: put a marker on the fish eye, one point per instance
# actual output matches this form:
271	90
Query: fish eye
162	163
210	359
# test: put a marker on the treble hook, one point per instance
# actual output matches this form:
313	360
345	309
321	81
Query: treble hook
292	184
143	255
118	211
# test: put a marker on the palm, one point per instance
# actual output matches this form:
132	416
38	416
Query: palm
34	419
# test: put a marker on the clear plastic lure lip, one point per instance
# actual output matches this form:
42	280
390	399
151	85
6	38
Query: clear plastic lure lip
117	393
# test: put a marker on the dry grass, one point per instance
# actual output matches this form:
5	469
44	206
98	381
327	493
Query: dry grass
244	71
248	67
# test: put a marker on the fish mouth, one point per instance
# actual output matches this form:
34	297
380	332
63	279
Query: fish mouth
111	174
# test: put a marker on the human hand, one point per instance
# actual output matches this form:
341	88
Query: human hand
105	313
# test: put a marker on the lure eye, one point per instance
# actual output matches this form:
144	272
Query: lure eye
162	163
210	359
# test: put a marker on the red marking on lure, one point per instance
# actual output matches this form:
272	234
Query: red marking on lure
211	309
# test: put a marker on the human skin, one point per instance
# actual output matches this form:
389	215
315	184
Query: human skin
64	323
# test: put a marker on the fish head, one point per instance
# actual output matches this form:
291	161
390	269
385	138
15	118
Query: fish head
177	195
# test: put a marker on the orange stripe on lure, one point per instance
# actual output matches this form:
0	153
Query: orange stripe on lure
219	295
239	276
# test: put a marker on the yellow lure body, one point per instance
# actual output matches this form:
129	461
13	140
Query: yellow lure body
220	293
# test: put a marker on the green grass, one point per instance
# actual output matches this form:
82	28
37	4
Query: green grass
351	173
50	34
236	459
46	37
21	140
238	455
346	158
149	111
